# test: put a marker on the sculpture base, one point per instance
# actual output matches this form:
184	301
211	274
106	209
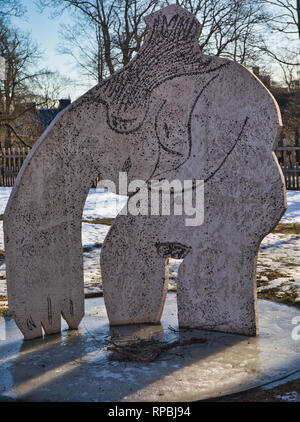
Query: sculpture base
76	365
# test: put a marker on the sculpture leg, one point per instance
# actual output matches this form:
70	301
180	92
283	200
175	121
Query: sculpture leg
216	288
134	275
42	228
45	276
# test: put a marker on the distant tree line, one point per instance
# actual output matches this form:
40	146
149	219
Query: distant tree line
25	86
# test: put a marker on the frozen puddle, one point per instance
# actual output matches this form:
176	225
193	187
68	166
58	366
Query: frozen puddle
76	366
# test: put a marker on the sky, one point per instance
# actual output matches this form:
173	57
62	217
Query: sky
44	31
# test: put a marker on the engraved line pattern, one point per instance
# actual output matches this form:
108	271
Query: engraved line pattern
167	55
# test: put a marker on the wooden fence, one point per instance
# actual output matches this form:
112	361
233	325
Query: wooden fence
290	171
11	160
292	177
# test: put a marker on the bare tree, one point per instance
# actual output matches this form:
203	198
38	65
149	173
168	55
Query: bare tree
285	16
84	43
118	29
10	8
230	28
108	33
24	87
108	40
289	75
21	55
283	29
129	29
48	88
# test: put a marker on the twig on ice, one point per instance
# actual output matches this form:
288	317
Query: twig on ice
159	350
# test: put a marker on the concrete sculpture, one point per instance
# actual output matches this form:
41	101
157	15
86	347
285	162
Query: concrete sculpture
172	113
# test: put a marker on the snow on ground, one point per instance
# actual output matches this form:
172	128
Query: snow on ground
292	214
4	195
279	255
102	203
278	252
